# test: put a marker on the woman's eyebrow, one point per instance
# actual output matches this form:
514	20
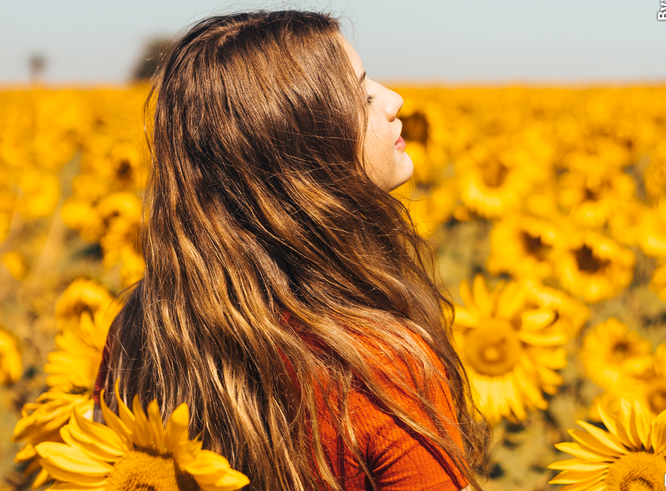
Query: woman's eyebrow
362	78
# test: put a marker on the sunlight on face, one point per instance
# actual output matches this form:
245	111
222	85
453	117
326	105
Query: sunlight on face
386	162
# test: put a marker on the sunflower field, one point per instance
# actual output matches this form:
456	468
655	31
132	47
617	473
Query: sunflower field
548	209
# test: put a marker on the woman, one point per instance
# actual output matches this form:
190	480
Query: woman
286	297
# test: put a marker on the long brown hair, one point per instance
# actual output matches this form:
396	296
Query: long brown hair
258	204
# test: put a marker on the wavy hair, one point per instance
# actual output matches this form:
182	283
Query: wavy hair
257	204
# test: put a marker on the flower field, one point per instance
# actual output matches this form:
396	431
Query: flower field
548	207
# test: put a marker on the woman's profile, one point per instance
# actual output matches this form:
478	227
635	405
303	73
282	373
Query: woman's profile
286	296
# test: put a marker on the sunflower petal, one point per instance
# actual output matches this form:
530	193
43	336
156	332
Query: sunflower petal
465	317
658	433
576	450
115	423
67	463
576	477
482	296
177	427
613	427
537	319
606	438
468	298
578	465
642	422
155	424
588	442
626	419
142	434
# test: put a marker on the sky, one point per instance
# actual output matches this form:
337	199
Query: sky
418	41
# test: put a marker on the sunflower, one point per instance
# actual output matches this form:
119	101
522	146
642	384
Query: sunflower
611	351
593	266
82	216
135	451
83	295
648	386
122	243
39	193
510	347
495	177
11	366
654	177
652	230
428	210
629	456
41	422
571	313
592	196
15	264
599	152
626	224
84	311
76	361
522	246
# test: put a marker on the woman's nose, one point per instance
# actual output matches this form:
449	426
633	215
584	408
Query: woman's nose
395	105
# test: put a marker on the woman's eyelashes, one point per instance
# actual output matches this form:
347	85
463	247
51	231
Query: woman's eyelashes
371	98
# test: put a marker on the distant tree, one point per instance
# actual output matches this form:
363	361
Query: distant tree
36	65
153	53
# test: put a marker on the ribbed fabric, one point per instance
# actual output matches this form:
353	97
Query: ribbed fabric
399	459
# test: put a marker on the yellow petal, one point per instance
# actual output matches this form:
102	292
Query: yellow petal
578	465
98	439
465	318
73	464
642	423
482	296
177	427
156	426
613	427
537	319
606	438
626	419
123	411
658	433
588	442
515	402
141	434
511	301
577	451
572	477
537	339
468	298
115	423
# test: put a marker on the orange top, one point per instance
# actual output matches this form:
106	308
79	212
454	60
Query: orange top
399	459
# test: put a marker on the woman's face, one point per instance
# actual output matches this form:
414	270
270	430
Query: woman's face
386	162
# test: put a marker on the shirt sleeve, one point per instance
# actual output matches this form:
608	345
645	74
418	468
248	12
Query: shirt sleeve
400	459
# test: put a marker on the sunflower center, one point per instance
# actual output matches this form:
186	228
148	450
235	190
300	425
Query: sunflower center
636	471
535	247
588	262
657	396
492	349
145	470
415	127
590	195
495	174
621	351
135	238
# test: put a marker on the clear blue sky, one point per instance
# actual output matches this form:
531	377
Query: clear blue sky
461	41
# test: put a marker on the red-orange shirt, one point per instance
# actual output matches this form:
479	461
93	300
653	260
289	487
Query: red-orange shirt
399	459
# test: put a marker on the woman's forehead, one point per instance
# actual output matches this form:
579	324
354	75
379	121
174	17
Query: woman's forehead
355	59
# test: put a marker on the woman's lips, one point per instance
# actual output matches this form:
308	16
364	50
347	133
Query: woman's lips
400	144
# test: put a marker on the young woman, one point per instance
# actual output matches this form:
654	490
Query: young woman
286	296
